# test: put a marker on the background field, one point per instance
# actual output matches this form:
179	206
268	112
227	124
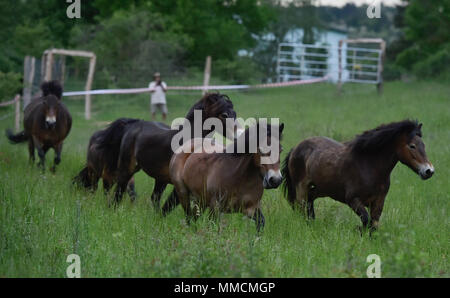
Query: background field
43	218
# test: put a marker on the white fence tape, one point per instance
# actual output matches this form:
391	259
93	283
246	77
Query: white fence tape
218	87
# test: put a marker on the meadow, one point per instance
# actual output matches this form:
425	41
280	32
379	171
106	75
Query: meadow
43	218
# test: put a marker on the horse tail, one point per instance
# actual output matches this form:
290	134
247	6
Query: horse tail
288	184
52	87
82	179
16	138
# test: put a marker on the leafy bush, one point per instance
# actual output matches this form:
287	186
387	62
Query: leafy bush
241	70
392	72
10	85
434	65
131	46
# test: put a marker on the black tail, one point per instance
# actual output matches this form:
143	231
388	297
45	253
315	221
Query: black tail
82	179
288	184
18	138
52	87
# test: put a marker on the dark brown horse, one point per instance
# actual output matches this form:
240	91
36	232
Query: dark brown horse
102	158
227	182
147	146
47	123
357	172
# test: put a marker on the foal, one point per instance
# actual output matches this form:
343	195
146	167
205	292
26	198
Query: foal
356	173
228	182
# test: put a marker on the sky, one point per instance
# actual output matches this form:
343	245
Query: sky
356	2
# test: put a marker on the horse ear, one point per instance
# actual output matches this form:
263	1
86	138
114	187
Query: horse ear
281	128
420	126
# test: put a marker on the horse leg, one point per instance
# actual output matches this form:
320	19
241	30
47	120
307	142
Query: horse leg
31	150
171	202
310	204
57	160
126	169
310	209
131	189
376	207
157	192
302	197
107	184
258	217
359	209
41	153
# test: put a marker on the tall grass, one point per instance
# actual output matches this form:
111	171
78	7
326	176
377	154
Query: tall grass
43	218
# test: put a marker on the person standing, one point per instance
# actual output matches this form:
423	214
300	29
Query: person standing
158	90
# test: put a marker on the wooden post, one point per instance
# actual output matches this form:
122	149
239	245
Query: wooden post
380	67
340	67
48	66
87	104
43	65
28	77
17	120
63	70
207	75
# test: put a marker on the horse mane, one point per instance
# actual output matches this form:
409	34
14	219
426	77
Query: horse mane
377	139
246	136
111	137
52	88
214	101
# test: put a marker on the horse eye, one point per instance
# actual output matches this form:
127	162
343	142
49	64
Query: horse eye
224	115
412	146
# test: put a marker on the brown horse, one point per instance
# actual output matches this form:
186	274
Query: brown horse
47	123
227	182
102	158
357	172
147	145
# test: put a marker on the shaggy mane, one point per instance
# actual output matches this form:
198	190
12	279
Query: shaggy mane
215	102
376	139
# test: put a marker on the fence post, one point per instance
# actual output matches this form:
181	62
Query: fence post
339	85
380	67
28	78
207	75
48	66
87	104
17	120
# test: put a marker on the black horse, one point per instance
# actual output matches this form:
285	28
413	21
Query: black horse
47	123
147	145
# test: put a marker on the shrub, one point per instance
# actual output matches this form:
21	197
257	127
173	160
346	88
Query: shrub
10	85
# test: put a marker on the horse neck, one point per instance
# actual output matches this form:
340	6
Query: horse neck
244	165
383	161
190	118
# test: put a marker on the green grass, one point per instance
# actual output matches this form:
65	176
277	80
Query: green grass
43	218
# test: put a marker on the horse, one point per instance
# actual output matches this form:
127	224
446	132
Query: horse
47	122
102	158
147	145
227	180
357	172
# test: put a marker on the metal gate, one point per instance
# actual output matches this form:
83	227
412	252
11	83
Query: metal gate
341	64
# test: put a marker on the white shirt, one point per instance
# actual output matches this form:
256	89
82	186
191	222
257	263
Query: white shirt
158	96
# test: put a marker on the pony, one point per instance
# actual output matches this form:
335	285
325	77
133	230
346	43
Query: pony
147	145
47	122
357	172
224	181
102	158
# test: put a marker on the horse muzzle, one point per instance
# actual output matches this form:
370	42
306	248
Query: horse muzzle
426	171
272	179
50	122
